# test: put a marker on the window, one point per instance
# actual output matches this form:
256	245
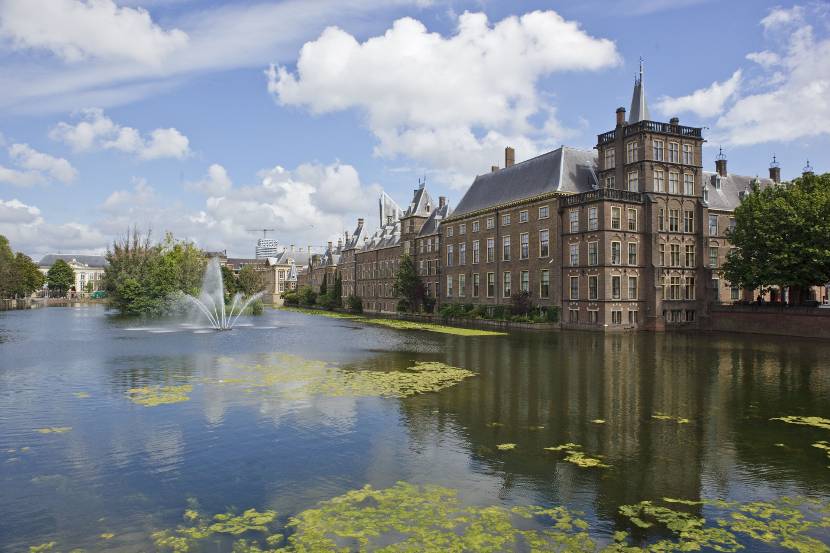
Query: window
661	219
462	228
616	215
632	288
593	220
688	158
593	287
490	222
523	216
631	152
475	252
616	316
544	243
731	223
505	285
544	284
632	220
449	232
661	255
505	219
449	255
491	285
475	226
659	180
462	254
713	256
716	287
610	158
674	152
674	288
713	225
675	255
632	316
524	245
449	286
658	150
593	253
616	253
505	248
674	222
574	220
688	221
573	314
705	194
462	285
735	293
633	181
690	255
524	283
688	184
544	212
593	316
429	245
615	287
491	250
610	181
574	255
475	285
689	288
674	182
632	253
690	316
574	288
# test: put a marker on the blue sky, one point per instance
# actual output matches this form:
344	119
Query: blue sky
208	119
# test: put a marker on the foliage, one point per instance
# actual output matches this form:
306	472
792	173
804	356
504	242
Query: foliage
230	282
141	277
251	281
256	307
576	456
324	285
60	277
781	236
6	267
521	303
152	396
408	285
337	292
355	304
23	277
89	287
429	304
306	296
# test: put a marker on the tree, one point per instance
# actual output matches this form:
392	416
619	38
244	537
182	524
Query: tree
521	303
781	237
230	282
324	287
408	285
26	277
6	267
251	281
60	277
90	287
337	291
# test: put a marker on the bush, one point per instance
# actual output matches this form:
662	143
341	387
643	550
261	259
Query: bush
499	312
552	314
290	297
521	303
429	304
256	307
478	312
326	301
402	305
355	304
307	296
468	307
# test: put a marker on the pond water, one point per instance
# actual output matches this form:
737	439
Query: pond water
110	429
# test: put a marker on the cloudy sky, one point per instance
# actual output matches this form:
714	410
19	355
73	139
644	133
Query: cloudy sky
209	118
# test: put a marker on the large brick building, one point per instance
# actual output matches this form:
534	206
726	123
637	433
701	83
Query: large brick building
630	234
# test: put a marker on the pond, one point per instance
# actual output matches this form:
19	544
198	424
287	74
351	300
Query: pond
117	435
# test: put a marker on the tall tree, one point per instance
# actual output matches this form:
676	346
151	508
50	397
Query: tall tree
408	285
229	281
337	290
26	277
782	237
6	267
324	286
60	277
251	280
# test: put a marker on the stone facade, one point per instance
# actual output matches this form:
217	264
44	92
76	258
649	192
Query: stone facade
87	268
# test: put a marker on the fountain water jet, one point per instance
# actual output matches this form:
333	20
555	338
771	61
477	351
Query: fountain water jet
211	301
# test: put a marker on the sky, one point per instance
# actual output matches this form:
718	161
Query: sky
211	119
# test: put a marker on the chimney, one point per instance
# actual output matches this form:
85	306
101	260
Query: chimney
620	117
329	246
494	168
292	248
674	121
360	222
442	201
720	164
775	171
509	157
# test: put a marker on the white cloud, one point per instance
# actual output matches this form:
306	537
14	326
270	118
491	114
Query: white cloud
16	212
97	131
704	102
20	178
142	194
765	59
782	17
27	157
215	183
76	30
452	103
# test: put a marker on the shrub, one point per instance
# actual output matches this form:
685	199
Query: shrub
429	304
402	306
552	314
326	301
307	296
256	308
499	312
355	304
521	303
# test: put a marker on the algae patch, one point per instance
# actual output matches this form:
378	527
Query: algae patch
42	548
816	422
54	430
151	396
576	456
663	417
505	447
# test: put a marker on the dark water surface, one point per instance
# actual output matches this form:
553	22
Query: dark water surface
128	469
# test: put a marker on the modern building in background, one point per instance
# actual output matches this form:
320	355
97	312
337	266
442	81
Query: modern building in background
267	247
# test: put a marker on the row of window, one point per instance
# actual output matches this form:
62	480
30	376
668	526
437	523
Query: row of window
674	221
490	222
677	288
674	182
674	257
490	284
593	253
658	153
593	219
506	252
386	268
593	315
593	288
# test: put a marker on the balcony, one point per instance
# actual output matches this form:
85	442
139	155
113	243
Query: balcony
651	126
603	194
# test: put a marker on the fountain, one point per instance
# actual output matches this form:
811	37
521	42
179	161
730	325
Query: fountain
211	301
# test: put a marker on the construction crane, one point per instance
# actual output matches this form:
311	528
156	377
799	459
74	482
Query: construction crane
263	230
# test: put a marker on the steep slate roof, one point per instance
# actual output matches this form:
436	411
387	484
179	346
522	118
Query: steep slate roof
421	203
387	208
433	224
356	239
386	236
97	261
562	170
283	258
728	196
639	107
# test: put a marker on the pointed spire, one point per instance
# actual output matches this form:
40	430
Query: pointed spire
639	107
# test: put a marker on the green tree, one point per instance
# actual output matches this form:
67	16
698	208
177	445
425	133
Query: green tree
60	277
229	281
90	287
6	267
408	285
251	281
782	237
324	286
25	276
337	291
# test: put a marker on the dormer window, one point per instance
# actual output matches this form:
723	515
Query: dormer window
717	182
705	194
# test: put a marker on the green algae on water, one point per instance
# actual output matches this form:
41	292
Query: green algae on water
249	521
663	417
151	396
816	422
48	546
576	456
81	395
505	447
54	430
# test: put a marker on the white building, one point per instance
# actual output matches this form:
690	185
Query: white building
87	268
267	247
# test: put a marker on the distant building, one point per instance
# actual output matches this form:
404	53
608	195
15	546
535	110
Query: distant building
87	268
282	273
267	247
